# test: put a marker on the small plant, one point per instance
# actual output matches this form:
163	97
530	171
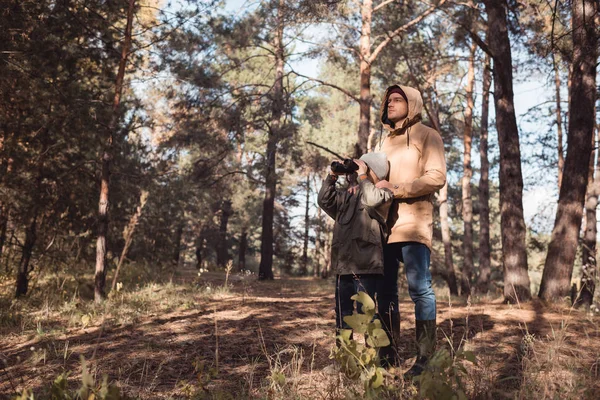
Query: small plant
443	376
89	389
227	272
360	361
204	375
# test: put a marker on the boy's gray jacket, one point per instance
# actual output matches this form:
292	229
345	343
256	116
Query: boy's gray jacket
360	229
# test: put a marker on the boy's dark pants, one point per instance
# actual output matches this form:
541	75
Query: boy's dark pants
346	287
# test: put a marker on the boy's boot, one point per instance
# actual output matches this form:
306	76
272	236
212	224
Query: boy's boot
426	338
388	355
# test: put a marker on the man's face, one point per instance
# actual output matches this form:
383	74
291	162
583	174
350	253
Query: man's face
397	108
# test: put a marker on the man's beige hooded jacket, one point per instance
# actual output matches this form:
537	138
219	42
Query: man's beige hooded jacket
417	171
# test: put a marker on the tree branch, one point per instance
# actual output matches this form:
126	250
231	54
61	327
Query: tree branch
380	6
331	85
474	36
401	29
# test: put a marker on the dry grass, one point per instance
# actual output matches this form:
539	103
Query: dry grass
195	337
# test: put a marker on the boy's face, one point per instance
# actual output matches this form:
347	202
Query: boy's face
397	108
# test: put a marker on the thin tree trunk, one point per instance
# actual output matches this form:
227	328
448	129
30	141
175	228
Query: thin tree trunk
514	251
485	269
177	247
242	251
559	128
449	274
103	204
222	255
467	201
589	270
265	270
327	264
318	245
23	268
447	240
588	258
364	124
129	236
200	247
4	211
558	268
304	264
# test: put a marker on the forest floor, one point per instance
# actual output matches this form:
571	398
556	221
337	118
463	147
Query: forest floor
194	337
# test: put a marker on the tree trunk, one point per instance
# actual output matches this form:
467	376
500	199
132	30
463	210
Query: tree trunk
177	247
588	259
558	268
265	270
559	129
449	274
467	202
589	271
129	231
327	251
3	225
318	245
222	255
514	252
103	217
242	251
447	240
304	264
484	188
200	248
364	124
23	269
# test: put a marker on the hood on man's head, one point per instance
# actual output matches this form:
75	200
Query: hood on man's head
378	163
415	106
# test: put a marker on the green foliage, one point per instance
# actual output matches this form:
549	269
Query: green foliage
360	361
205	374
88	390
443	377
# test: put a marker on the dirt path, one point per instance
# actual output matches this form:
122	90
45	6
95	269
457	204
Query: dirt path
290	320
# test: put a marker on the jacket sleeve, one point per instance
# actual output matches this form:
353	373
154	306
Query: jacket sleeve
434	165
372	196
327	198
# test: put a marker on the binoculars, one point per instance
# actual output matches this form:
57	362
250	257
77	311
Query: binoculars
346	167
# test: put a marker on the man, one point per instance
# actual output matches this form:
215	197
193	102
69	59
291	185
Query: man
417	171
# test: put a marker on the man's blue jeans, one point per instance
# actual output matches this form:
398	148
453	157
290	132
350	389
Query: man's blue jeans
416	259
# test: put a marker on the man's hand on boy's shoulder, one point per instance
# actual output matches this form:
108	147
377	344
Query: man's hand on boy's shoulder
383	184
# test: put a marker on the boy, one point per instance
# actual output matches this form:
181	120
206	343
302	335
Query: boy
360	214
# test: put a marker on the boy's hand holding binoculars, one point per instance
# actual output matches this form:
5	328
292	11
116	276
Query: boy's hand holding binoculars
362	167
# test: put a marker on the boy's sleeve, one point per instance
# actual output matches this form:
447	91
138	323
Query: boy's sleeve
373	196
327	198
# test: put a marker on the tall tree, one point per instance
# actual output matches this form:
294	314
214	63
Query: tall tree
467	201
103	217
514	252
484	186
265	270
558	267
